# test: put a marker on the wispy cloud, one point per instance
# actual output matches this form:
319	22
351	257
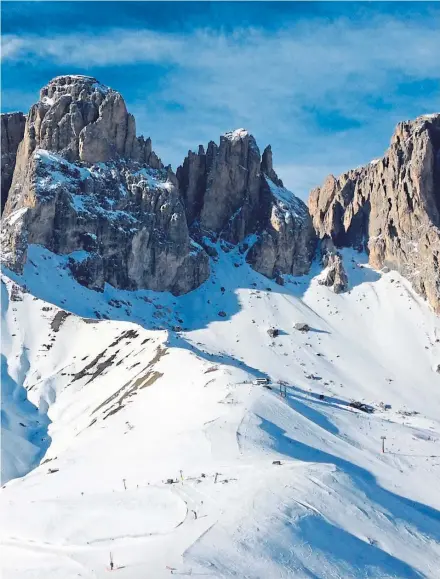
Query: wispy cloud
320	91
111	48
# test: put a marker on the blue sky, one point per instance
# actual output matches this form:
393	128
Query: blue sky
323	82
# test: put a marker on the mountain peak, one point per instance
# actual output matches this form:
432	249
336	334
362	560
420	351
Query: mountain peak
237	134
77	86
84	120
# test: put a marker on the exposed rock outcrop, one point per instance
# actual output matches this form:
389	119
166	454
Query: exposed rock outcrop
286	240
233	188
232	193
85	186
12	131
302	327
221	188
267	166
391	207
192	180
335	276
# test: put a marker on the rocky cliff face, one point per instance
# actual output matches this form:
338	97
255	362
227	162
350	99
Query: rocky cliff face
12	132
85	186
391	207
231	192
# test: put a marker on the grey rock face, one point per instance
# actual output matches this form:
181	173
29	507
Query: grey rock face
192	180
86	187
232	188
231	192
335	276
12	131
267	166
121	223
391	207
221	189
273	332
286	240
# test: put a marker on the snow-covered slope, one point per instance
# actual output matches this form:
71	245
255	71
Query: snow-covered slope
118	392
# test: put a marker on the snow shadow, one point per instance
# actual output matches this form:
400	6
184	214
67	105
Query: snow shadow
340	545
423	517
357	268
317	331
47	277
24	437
333	401
180	342
294	401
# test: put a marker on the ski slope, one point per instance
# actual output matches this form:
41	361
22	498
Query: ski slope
108	395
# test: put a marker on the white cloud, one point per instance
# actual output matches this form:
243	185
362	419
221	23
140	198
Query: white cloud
88	49
332	49
270	82
11	47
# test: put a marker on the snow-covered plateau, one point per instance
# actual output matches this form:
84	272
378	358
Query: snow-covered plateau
133	428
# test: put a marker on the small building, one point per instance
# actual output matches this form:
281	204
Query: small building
261	381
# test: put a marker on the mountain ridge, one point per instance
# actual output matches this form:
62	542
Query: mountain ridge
231	192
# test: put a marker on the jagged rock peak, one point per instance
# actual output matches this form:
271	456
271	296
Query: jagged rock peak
223	182
406	129
391	207
241	138
12	131
267	166
231	193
